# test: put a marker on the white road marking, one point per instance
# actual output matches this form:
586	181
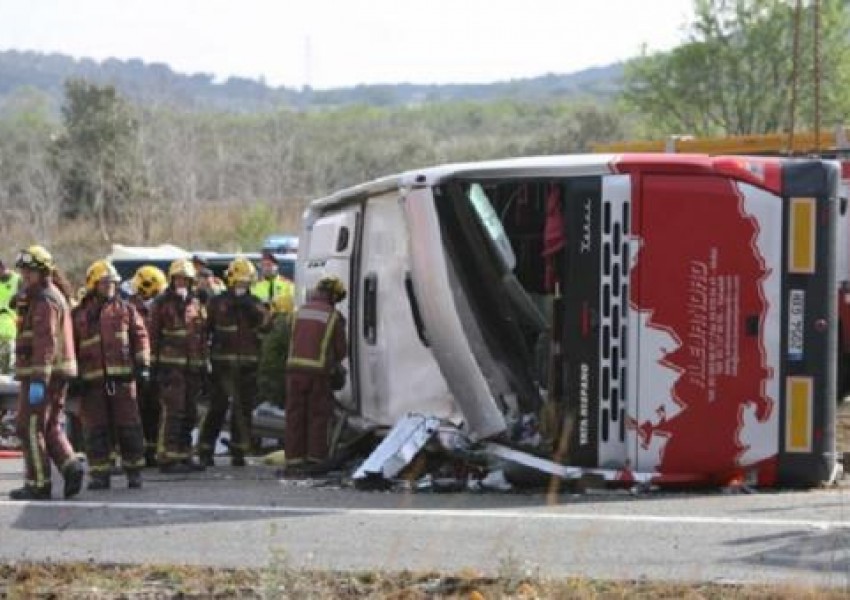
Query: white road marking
529	514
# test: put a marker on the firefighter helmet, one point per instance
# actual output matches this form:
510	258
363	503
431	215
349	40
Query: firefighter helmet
35	257
333	286
283	303
184	267
240	270
100	270
149	281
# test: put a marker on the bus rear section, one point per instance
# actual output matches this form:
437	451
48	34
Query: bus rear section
732	321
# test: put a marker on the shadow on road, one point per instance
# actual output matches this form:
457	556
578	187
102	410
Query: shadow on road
814	551
78	518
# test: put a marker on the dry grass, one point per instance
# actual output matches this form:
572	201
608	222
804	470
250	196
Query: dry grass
226	228
76	580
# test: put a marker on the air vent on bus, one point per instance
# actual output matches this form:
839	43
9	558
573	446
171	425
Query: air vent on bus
614	290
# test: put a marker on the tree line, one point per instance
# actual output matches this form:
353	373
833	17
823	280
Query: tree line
128	166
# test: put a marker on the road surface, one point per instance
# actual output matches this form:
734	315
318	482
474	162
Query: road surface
248	518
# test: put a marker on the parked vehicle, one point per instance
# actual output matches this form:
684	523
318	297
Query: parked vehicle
129	258
665	314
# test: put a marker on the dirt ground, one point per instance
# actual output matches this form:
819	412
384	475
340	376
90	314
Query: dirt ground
279	581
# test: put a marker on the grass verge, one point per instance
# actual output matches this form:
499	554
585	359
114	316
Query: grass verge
279	580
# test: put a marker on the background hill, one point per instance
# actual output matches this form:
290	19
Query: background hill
158	84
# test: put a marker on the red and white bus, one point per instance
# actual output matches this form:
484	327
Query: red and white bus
676	313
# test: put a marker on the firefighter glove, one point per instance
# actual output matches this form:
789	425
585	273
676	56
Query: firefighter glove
36	396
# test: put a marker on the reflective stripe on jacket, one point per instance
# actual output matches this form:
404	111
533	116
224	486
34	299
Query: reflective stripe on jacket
111	338
318	339
234	323
178	331
45	346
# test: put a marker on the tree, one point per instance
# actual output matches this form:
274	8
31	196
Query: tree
98	156
29	188
734	75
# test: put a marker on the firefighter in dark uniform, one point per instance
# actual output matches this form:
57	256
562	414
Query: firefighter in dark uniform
45	363
234	319
148	283
316	352
179	355
113	354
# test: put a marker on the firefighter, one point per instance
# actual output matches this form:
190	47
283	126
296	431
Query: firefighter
114	354
271	376
179	355
45	362
208	285
9	281
148	282
272	284
234	320
316	352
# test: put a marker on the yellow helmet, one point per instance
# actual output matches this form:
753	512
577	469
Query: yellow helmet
240	270
148	281
333	286
184	267
99	270
35	257
283	303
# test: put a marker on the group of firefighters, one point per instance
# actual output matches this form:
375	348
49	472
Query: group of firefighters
140	364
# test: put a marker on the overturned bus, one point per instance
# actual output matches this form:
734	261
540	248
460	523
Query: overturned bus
665	317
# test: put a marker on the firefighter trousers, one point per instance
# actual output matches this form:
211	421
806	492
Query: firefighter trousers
110	415
40	430
309	406
149	410
179	390
238	383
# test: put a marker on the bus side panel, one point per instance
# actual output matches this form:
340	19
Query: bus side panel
704	294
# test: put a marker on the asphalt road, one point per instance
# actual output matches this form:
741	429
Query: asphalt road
247	517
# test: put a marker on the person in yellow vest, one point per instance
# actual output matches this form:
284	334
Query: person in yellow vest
9	281
271	283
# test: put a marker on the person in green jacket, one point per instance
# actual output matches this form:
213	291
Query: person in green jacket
9	281
271	376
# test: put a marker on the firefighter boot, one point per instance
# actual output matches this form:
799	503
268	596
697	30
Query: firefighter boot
194	467
150	457
206	459
237	459
100	481
73	474
31	492
134	479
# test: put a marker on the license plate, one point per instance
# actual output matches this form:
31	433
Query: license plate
796	313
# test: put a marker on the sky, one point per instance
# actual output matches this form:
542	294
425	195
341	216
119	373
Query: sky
337	43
